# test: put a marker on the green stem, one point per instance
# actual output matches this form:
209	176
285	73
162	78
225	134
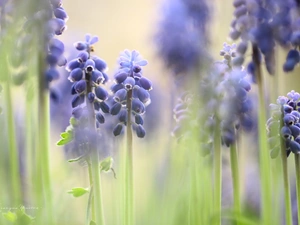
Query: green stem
128	168
287	194
217	173
297	167
91	202
97	188
94	162
44	134
265	172
12	146
235	178
195	200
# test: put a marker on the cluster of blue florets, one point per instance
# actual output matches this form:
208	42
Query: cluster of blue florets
285	122
225	92
56	25
264	23
88	77
129	79
181	38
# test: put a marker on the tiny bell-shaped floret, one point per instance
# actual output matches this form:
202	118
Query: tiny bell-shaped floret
138	119
101	93
76	75
52	74
145	83
118	129
89	66
289	119
116	108
73	64
140	131
104	107
60	13
294	146
77	100
286	133
100	118
100	64
143	96
120	77
123	115
91	97
80	86
120	96
138	107
97	77
129	83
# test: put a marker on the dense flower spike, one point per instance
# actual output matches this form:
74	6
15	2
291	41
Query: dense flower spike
181	38
88	81
225	91
266	23
285	122
129	80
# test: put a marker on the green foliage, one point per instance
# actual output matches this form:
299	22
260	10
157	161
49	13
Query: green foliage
67	136
19	217
78	191
106	165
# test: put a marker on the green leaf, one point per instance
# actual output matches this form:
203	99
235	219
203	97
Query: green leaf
23	218
10	216
65	135
93	222
106	164
78	191
76	159
64	141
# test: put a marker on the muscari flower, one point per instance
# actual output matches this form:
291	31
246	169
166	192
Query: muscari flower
87	73
181	39
266	23
129	81
225	94
285	123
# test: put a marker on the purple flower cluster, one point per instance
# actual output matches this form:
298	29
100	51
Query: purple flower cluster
225	94
285	122
88	77
181	38
266	23
56	25
131	92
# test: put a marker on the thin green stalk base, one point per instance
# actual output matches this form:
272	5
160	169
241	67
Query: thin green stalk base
235	178
217	175
297	167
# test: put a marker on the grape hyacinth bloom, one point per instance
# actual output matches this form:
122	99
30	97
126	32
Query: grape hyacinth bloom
265	23
130	93
285	122
86	72
225	91
56	26
181	38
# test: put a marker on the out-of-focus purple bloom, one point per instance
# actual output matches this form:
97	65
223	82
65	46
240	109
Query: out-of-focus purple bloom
181	37
265	23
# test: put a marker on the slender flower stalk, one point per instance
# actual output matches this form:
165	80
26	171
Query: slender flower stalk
286	183
297	168
265	172
128	163
235	178
217	173
13	151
